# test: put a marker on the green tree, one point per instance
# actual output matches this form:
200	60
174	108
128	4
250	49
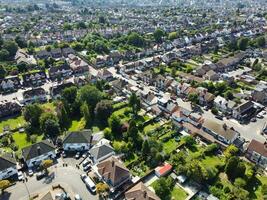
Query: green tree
102	189
115	125
46	164
11	47
158	35
172	36
230	151
134	103
86	114
163	187
4	184
242	43
32	113
103	110
145	148
261	42
235	168
49	124
21	42
4	55
193	98
189	141
135	39
2	72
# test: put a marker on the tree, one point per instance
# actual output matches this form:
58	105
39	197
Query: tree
115	125
158	34
261	42
145	148
189	141
103	110
11	47
102	20
242	43
173	36
102	189
229	95
4	55
240	183
86	113
135	39
193	98
134	103
49	124
46	164
21	42
91	95
235	168
62	115
32	113
214	111
4	184
264	190
230	151
2	72
163	187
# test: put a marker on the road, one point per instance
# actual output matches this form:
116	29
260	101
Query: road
66	176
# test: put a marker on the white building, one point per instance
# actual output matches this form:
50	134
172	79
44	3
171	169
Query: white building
78	141
7	166
36	153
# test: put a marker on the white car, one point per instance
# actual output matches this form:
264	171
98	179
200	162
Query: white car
30	172
78	155
77	197
20	176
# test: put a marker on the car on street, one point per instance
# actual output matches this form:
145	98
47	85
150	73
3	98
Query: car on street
20	176
219	117
78	155
259	115
86	162
83	176
30	172
253	119
85	155
40	175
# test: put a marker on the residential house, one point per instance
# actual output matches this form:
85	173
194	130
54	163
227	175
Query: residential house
257	153
34	154
224	105
101	151
140	192
78	141
148	99
22	57
205	98
56	53
244	111
163	170
60	72
77	65
56	90
9	108
34	79
33	95
212	76
43	54
113	172
260	93
8	166
222	133
67	51
10	84
228	64
118	86
105	74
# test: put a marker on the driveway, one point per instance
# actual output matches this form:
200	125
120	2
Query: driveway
69	176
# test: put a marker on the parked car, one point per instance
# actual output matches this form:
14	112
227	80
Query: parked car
30	172
77	197
87	168
78	155
64	155
40	175
20	176
253	119
219	117
83	176
85	155
86	162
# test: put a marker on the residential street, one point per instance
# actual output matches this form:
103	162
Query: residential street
66	176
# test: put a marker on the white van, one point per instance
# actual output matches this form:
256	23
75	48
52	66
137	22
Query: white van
90	184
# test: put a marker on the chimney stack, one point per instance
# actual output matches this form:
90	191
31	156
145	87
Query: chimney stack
39	150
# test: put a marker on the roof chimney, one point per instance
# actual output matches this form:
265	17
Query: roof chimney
112	163
38	150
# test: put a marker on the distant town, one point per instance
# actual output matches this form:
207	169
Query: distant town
133	100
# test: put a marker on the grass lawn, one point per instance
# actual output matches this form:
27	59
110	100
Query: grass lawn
212	161
258	194
170	146
178	193
12	122
21	139
151	127
77	125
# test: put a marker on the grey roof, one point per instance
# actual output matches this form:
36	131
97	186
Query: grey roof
84	136
6	161
100	151
37	149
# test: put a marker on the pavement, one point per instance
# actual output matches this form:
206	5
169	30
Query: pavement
66	176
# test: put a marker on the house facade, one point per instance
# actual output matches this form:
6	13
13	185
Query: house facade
78	141
257	153
8	166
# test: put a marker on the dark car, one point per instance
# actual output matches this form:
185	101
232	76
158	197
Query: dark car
86	168
40	175
219	117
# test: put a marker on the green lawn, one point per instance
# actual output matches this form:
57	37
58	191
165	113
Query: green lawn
151	127
123	114
12	122
178	193
77	125
170	146
212	161
21	139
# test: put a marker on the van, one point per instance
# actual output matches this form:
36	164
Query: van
90	184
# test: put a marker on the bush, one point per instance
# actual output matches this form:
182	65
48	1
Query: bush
214	111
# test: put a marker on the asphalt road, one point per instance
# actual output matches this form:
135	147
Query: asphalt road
66	176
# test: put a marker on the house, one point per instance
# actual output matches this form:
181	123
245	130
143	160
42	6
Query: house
140	192
105	74
78	141
211	76
8	166
77	65
148	99
34	79
244	110
56	53
113	172
9	108
66	51
220	132
163	170
10	84
59	72
43	54
33	95
56	90
224	105
22	57
228	64
34	154
205	98
260	93
101	151
257	153
118	86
